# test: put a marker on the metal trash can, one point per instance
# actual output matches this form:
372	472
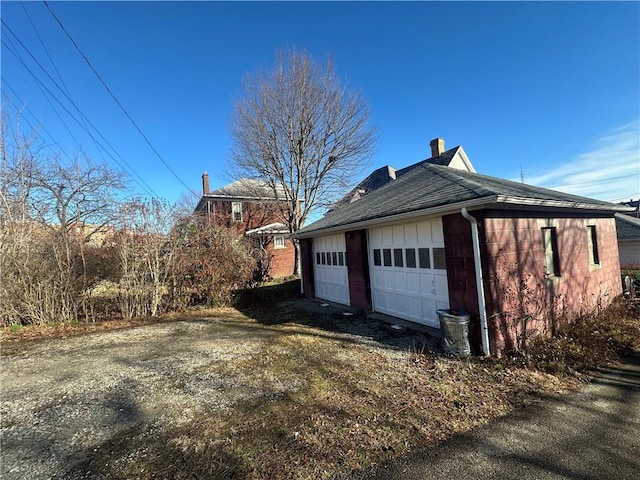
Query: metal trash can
455	331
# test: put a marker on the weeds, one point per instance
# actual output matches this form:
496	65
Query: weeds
591	341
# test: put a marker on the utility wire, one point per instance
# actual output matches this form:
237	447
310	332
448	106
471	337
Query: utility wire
53	64
141	182
15	53
17	97
115	99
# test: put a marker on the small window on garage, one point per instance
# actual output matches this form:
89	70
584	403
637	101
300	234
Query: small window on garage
398	259
334	257
423	257
550	245
324	258
377	260
318	258
410	255
386	255
341	258
592	241
439	259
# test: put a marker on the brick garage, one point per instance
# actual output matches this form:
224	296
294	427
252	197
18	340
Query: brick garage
413	245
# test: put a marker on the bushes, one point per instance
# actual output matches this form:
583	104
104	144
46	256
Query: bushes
591	341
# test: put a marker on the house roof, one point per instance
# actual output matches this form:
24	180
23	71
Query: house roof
427	188
246	189
276	228
627	227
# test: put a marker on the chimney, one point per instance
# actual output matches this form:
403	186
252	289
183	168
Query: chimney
437	147
205	183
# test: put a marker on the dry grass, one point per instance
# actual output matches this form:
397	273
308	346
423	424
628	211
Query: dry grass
592	341
329	406
324	404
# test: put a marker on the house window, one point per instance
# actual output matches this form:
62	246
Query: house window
278	242
550	244
341	258
592	242
324	258
236	211
318	258
334	258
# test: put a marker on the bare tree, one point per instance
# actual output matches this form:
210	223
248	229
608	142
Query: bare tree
299	130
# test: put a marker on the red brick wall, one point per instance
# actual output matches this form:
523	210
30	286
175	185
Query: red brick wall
306	259
358	269
515	283
461	273
282	259
254	214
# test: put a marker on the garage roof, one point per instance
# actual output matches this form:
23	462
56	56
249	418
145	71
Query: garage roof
427	188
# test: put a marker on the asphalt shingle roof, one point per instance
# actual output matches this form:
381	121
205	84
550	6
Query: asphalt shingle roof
425	186
627	227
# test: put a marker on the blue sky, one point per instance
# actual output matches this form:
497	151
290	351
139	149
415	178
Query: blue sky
547	88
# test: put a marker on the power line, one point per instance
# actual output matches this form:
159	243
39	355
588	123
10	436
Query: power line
33	115
114	98
140	183
595	181
53	64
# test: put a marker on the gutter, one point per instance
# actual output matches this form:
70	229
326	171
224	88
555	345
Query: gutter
484	328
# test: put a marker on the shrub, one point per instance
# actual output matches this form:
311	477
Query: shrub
591	341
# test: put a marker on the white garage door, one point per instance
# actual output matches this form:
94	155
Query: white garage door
330	270
408	275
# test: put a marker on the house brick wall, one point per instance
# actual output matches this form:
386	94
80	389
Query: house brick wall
358	269
515	283
282	260
306	259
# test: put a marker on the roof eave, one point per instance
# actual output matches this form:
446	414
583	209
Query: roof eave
536	202
439	210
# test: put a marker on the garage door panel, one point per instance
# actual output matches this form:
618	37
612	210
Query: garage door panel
413	283
387	236
331	279
400	281
442	286
408	287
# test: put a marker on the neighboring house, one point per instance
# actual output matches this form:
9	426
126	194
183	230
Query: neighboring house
250	208
628	231
439	236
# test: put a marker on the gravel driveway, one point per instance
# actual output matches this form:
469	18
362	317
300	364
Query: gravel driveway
63	398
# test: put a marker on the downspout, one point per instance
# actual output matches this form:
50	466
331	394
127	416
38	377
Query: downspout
484	328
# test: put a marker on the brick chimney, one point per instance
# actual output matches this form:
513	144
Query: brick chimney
205	183
437	147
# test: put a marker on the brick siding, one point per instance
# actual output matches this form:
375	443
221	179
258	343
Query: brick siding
358	269
515	281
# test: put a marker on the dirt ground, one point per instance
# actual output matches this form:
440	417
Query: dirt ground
64	398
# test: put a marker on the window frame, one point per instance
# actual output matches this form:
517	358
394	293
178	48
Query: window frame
279	242
592	245
236	210
550	252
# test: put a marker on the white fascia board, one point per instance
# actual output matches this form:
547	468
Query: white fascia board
401	217
536	202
